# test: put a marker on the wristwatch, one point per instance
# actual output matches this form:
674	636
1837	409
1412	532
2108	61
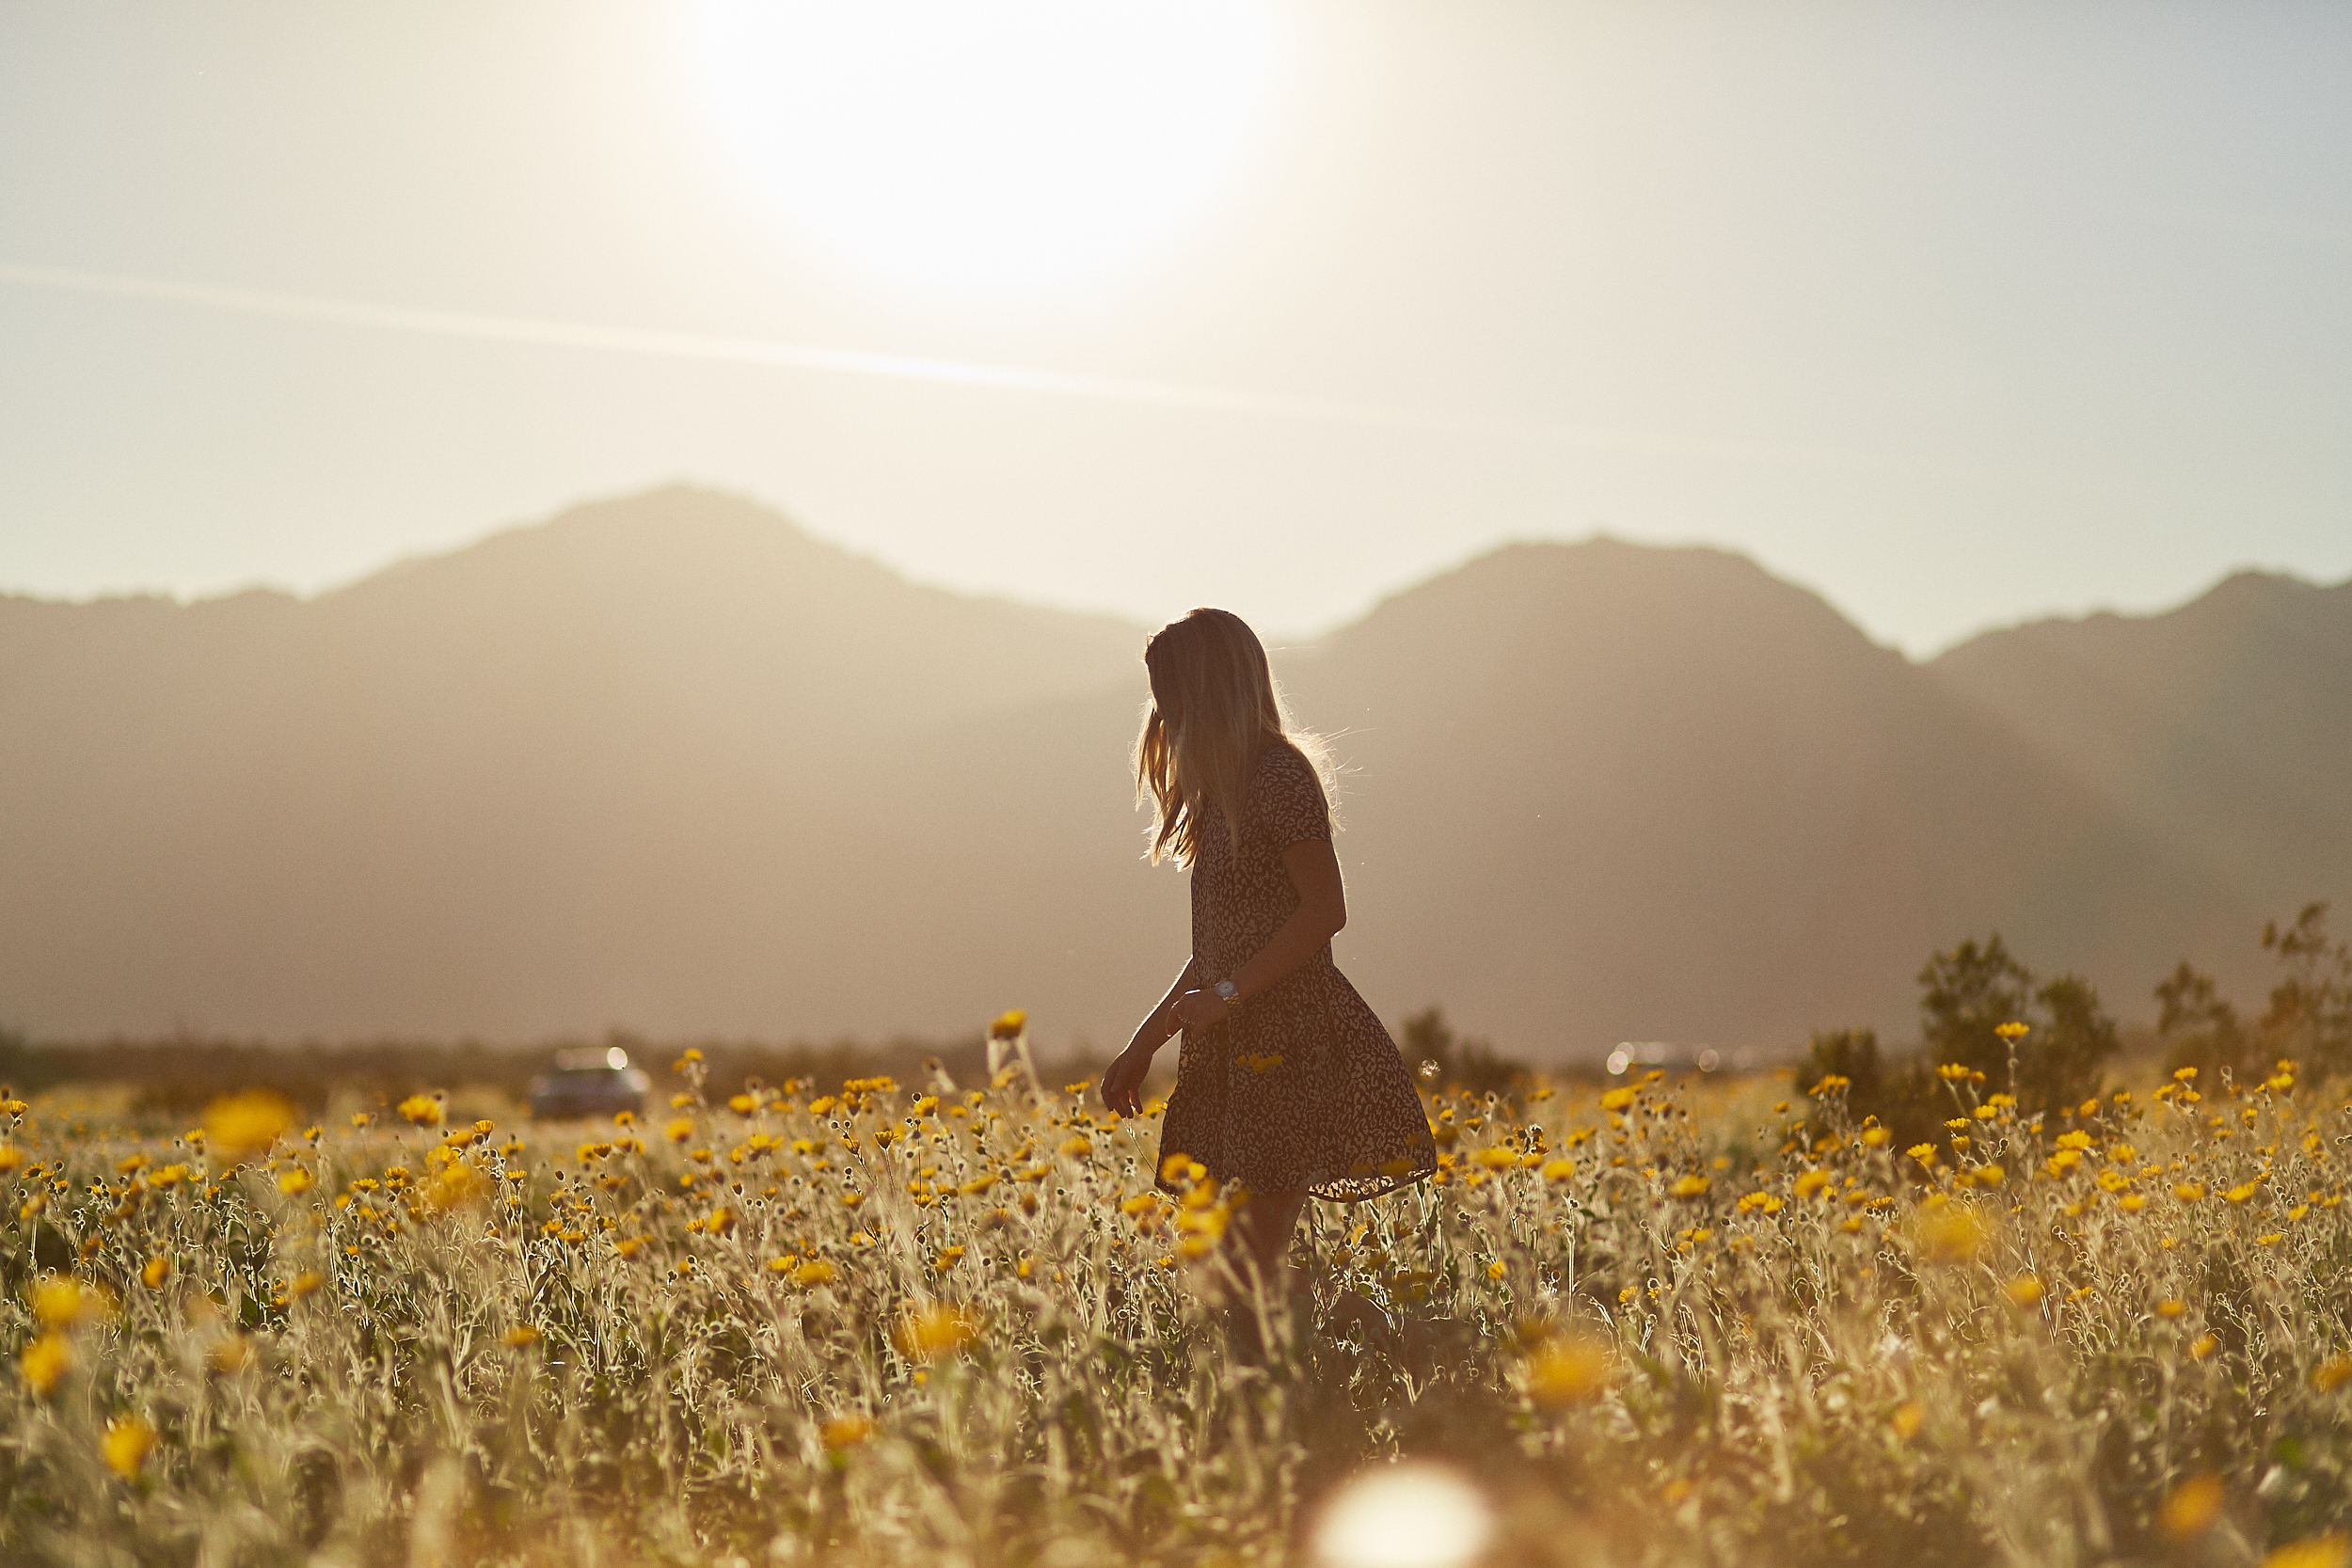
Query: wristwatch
1228	992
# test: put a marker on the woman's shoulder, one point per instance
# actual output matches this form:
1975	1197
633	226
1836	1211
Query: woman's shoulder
1287	794
1282	759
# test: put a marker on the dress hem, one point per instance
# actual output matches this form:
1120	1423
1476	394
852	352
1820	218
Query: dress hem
1333	1189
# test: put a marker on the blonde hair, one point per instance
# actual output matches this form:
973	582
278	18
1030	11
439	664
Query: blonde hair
1214	711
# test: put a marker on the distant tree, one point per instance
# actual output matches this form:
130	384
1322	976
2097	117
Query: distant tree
1854	1055
1965	996
2065	1060
1434	1053
1969	992
2310	1015
2201	1028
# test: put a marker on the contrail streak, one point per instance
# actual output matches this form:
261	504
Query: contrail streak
896	367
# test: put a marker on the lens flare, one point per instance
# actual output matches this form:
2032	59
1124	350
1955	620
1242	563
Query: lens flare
1409	1515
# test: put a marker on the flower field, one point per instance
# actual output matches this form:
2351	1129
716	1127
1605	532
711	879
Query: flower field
875	1322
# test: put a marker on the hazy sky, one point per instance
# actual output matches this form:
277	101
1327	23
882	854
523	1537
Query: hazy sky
1956	313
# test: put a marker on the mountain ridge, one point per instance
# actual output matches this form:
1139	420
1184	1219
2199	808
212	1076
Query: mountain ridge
668	763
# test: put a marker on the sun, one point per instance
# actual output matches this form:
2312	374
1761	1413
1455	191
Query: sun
986	147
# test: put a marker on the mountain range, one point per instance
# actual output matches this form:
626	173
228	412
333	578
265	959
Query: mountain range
667	764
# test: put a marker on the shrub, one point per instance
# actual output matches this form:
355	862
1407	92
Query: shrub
1440	1060
2200	1027
1967	996
2310	1016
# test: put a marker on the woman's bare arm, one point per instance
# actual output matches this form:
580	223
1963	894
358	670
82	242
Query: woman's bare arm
1123	1081
1321	913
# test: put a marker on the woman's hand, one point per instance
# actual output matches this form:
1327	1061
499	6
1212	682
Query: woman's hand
1202	1009
1123	1081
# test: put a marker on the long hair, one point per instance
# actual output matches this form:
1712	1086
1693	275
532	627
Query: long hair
1214	711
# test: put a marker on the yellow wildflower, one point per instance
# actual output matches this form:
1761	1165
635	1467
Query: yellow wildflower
422	1109
1951	1233
454	1186
936	1331
2324	1551
1569	1369
2192	1507
46	1361
847	1432
239	1126
60	1302
126	1446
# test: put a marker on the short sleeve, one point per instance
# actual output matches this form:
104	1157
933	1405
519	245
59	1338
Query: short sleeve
1290	807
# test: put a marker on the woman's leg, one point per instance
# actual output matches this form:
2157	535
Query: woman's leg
1266	1223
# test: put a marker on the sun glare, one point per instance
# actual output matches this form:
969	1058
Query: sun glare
1409	1515
986	146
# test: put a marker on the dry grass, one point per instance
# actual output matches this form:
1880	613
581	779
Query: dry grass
888	1324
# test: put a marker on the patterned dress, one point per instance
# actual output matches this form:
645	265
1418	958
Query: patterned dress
1300	1087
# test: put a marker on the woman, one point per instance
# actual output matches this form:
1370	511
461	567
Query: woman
1287	1085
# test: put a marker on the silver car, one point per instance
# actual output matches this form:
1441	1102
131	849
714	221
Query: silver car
589	1083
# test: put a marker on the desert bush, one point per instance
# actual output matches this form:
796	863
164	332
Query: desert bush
1444	1060
2310	1013
2308	1017
2200	1028
2044	1042
1969	994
